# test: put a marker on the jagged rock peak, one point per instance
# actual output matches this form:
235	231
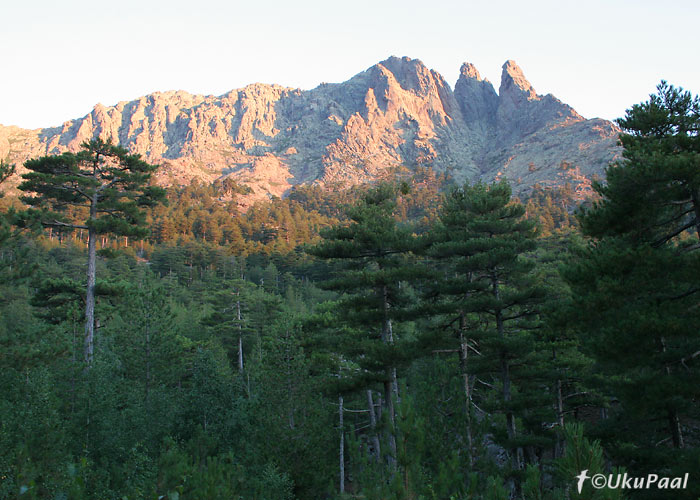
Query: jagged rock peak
468	70
412	74
403	66
513	79
397	112
476	96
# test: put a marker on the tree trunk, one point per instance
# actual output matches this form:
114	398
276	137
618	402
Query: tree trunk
373	426
505	376
676	432
390	386
389	402
559	450
74	360
90	299
91	274
510	418
288	377
342	445
390	340
673	420
463	358
240	335
148	358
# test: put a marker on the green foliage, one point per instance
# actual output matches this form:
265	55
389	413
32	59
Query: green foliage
581	455
217	477
372	254
446	312
103	179
6	170
210	215
532	489
635	287
489	292
652	194
229	319
495	490
552	208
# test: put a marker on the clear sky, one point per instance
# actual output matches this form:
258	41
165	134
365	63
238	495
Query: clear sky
60	58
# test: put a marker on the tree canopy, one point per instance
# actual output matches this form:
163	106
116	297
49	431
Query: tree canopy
100	189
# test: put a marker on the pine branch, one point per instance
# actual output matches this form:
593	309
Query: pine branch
63	224
669	237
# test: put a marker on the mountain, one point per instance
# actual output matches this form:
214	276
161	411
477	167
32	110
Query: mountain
397	112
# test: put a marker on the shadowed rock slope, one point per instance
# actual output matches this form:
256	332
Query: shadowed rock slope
396	113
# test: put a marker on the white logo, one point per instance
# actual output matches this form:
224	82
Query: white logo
581	478
626	482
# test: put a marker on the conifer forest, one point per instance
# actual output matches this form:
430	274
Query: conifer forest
410	339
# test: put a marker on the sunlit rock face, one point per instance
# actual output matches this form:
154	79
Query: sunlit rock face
397	113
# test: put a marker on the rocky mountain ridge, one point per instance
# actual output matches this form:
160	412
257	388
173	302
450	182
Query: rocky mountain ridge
396	113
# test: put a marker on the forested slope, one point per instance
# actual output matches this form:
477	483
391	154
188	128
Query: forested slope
417	338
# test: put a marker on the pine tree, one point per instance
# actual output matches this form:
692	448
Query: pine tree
565	368
636	286
490	293
653	194
372	249
446	296
229	318
109	185
145	336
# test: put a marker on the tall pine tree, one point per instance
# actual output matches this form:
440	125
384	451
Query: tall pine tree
636	285
372	251
491	294
105	185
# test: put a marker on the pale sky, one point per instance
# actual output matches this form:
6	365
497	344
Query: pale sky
60	58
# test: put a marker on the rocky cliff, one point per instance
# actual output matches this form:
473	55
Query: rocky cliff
397	112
